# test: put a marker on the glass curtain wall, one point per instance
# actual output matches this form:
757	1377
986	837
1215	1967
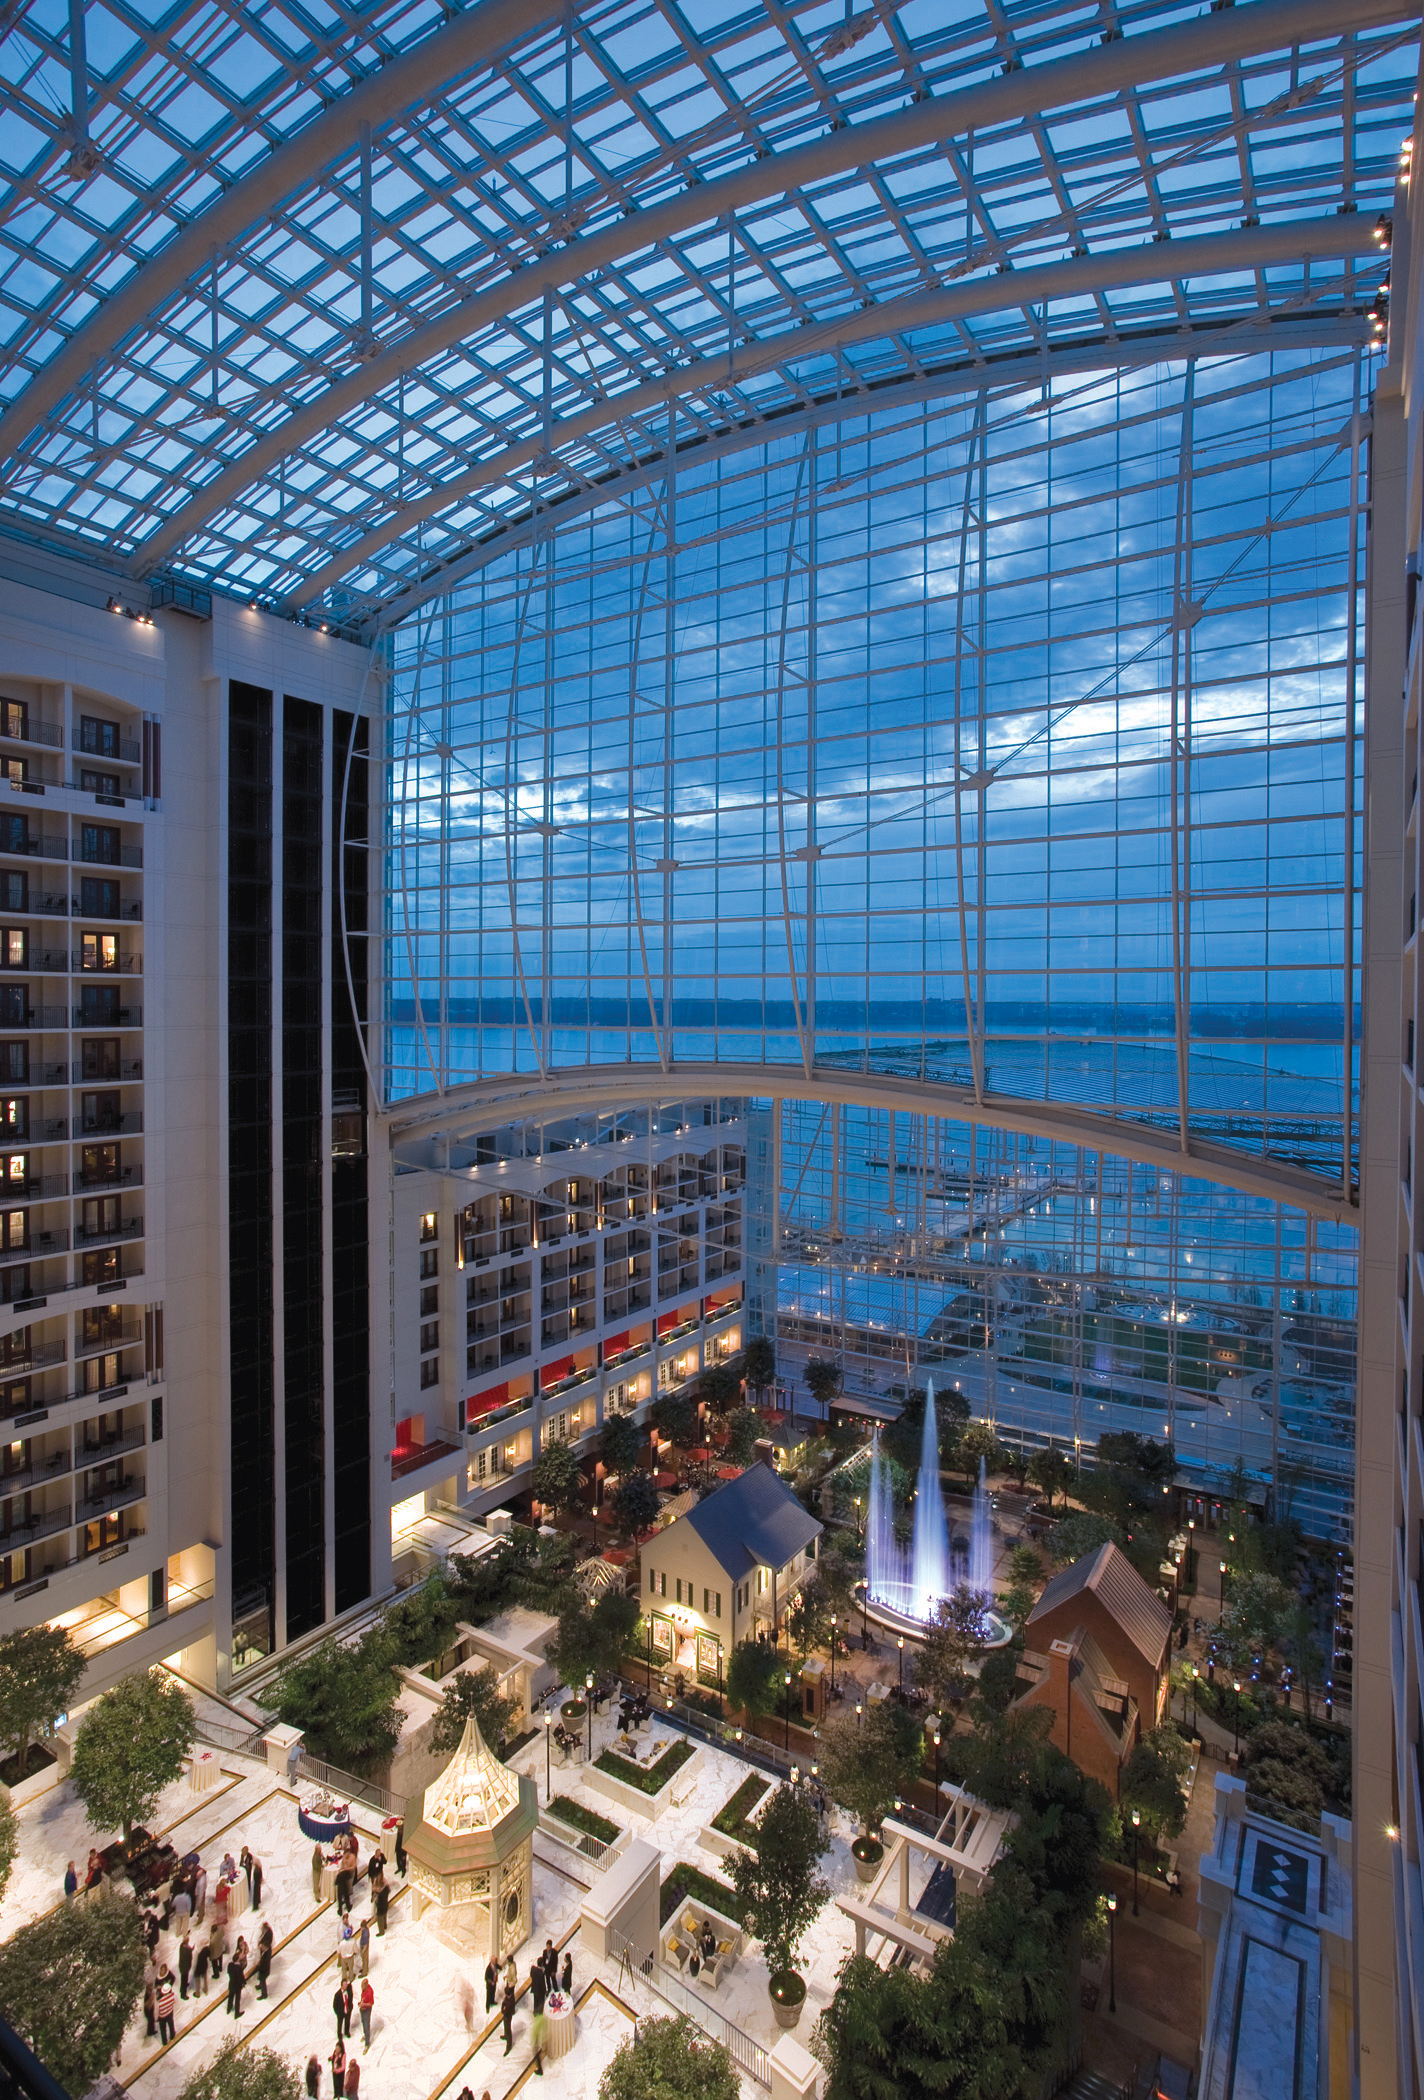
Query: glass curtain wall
1007	741
1064	1293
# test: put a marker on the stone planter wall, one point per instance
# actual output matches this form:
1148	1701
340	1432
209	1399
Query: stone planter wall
717	1841
37	1783
632	1798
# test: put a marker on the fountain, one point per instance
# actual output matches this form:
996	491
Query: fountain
908	1582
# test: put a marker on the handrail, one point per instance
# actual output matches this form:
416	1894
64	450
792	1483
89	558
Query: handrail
347	1783
746	2053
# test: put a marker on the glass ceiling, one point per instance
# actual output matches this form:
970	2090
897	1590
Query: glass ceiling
319	306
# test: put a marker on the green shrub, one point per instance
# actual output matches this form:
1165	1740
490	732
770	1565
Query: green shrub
587	1820
649	1779
733	1818
690	1884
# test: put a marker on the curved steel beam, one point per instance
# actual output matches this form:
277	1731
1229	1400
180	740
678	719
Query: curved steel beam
470	40
1087	76
1233	338
1211	255
412	1126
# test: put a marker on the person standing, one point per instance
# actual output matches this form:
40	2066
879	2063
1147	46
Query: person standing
506	2008
491	1985
348	2006
338	2006
254	1876
363	1946
383	1900
185	1964
511	1975
346	1952
244	1860
201	1965
217	1946
465	1999
200	1893
313	2078
338	2069
264	1959
566	1981
235	1981
343	1885
182	1911
538	1987
318	1862
71	1883
164	2006
150	1987
353	2077
400	1846
367	2007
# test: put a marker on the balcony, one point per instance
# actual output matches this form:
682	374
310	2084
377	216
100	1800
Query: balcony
129	909
130	1070
53	960
409	1458
130	1229
128	1124
15	1361
123	965
40	1188
55	1017
115	1017
122	751
36	846
106	1449
42	1526
18	729
121	1336
97	857
99	1504
511	1409
126	1178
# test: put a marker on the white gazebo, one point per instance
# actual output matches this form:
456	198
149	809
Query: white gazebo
469	1838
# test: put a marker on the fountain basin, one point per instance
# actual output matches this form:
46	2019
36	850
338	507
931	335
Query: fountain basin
892	1621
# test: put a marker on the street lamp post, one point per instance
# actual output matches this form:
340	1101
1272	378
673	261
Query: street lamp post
1196	1680
857	1713
1112	1954
788	1713
588	1692
1136	1833
721	1695
936	1744
548	1759
864	1588
1236	1715
834	1623
900	1644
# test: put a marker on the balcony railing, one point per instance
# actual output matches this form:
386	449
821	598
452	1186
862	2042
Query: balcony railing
126	1178
130	1069
41	959
39	1017
14	1364
123	1336
125	857
128	1124
129	965
414	1456
50	734
106	1449
109	1017
123	751
130	1229
99	1505
511	1409
44	1525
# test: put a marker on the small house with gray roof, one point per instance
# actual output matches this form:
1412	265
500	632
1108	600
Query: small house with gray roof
725	1572
1129	1626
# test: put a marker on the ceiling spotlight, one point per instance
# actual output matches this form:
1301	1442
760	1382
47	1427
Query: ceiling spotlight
1384	229
114	605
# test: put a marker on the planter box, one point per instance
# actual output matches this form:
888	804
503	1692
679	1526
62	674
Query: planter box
717	1841
37	1783
632	1798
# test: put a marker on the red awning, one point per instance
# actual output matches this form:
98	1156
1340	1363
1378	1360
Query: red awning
552	1373
614	1345
485	1403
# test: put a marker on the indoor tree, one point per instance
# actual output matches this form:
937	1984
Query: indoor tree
131	1744
823	1381
675	1418
477	1694
635	1499
755	1678
720	1386
670	2060
759	1364
344	1699
1152	1782
244	2074
778	1889
41	1669
556	1480
978	1440
1050	1471
868	1762
1081	1532
619	1443
744	1426
70	1983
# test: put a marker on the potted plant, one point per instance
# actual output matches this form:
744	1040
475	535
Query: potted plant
868	1762
779	1892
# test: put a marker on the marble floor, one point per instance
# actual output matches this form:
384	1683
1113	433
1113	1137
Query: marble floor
430	2035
